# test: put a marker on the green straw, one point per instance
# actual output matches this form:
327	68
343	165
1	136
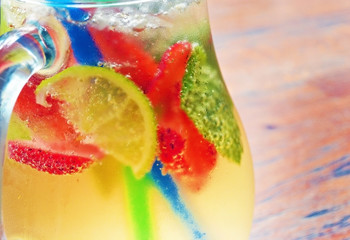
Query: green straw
139	204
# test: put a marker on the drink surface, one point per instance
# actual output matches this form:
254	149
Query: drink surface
131	134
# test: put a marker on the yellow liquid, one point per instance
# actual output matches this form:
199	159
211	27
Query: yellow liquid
94	204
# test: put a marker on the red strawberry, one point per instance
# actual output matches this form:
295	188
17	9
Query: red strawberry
201	154
40	118
46	161
48	125
126	55
171	145
183	150
166	87
198	156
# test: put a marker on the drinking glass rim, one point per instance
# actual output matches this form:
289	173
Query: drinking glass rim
85	3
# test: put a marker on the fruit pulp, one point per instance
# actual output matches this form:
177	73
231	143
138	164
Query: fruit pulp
194	190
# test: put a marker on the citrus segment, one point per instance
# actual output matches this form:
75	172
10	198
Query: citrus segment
109	109
206	101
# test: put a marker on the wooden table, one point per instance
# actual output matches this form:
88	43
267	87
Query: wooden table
287	67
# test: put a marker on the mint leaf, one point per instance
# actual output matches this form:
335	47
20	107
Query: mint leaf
205	99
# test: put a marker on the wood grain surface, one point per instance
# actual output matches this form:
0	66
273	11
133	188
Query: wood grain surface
287	66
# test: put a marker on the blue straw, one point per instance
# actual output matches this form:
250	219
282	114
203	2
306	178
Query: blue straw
168	188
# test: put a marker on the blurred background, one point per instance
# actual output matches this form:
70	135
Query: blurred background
287	66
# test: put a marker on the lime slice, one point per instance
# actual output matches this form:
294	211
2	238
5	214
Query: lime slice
109	110
206	101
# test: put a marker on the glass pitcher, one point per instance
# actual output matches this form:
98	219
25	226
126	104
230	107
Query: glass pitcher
116	124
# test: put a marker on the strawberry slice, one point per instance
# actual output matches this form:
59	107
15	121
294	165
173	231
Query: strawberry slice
191	163
41	118
184	152
201	154
126	55
165	89
46	161
172	146
49	127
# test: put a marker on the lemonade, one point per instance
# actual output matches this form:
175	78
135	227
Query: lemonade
130	134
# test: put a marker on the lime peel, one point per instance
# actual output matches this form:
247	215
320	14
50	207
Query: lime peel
110	110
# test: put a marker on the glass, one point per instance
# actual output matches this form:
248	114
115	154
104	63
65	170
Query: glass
116	124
